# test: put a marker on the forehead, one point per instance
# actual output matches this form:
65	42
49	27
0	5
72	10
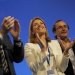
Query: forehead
60	23
37	21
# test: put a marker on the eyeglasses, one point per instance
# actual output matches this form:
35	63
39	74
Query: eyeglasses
61	27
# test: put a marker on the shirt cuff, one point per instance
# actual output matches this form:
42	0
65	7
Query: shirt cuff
66	55
1	37
18	44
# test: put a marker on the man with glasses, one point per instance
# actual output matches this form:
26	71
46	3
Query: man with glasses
64	45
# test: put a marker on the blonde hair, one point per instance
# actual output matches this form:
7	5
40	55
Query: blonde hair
32	37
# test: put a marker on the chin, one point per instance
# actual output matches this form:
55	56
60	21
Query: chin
63	37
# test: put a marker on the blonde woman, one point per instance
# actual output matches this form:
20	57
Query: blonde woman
38	51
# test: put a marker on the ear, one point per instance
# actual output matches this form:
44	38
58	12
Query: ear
55	32
32	33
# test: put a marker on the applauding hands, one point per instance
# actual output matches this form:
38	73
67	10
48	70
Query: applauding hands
7	25
66	45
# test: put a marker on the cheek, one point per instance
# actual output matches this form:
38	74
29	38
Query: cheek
58	33
34	29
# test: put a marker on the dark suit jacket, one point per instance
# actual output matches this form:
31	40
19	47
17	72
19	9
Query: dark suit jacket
73	49
13	53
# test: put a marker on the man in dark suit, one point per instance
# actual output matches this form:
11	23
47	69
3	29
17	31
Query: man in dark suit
9	52
61	30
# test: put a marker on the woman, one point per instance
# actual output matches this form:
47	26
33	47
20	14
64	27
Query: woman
38	53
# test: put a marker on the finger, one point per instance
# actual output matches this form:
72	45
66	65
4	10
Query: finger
4	21
59	39
68	40
37	35
16	25
9	20
62	43
10	26
10	23
72	43
74	40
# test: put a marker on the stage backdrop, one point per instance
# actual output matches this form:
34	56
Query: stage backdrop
48	10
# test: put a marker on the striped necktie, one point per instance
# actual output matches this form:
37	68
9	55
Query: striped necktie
4	62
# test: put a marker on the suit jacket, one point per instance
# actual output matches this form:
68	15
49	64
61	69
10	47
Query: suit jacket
13	53
71	55
36	60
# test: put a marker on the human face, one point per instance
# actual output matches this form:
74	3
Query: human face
39	27
61	29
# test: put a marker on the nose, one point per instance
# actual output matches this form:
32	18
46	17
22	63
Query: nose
63	28
39	25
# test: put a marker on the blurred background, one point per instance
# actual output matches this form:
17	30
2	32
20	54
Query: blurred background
49	10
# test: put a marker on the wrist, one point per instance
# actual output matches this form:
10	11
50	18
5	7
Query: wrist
17	39
2	32
65	52
66	55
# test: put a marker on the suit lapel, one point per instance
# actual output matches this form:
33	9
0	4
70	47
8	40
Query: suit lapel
52	49
56	49
38	50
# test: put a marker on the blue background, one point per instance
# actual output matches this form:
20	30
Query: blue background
48	10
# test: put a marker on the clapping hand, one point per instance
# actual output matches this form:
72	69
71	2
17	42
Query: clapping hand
66	45
44	48
7	24
16	31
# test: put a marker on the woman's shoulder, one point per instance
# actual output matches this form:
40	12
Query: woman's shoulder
30	44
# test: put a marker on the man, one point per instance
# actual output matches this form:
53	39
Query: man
60	29
10	53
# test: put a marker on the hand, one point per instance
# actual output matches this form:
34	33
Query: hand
44	48
41	41
7	24
66	45
74	40
16	31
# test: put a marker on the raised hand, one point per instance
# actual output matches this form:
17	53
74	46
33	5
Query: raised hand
7	24
43	43
16	31
66	45
74	40
41	40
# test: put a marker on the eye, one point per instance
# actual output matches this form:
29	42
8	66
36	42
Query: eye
60	27
65	26
35	24
42	23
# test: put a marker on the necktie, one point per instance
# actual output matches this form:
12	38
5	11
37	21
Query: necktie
4	62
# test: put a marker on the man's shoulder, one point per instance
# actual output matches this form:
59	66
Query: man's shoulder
30	44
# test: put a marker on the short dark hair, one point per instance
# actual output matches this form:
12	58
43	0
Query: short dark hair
54	28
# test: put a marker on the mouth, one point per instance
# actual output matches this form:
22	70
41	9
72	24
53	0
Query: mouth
40	28
63	32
